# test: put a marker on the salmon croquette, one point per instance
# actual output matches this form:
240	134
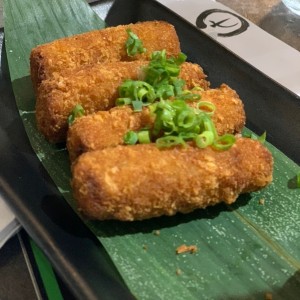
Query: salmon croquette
141	181
100	46
95	88
107	128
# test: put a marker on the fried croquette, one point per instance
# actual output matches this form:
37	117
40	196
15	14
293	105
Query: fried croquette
107	128
98	46
229	116
141	181
95	88
104	129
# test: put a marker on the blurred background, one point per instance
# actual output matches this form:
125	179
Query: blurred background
270	15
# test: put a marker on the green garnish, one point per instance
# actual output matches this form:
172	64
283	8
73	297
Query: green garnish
130	138
136	92
161	69
123	101
144	137
261	138
204	139
176	123
206	107
78	111
133	44
169	141
298	180
224	142
161	82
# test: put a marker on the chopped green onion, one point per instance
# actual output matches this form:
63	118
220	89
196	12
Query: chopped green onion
169	141
206	138
188	136
136	92
208	124
174	121
197	88
261	138
186	118
180	59
161	69
161	81
188	96
137	105
177	119
165	91
224	142
144	137
123	101
167	116
207	107
78	111
133	44
178	85
130	138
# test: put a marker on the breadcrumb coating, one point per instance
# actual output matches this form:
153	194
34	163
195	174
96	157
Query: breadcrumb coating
99	46
95	88
141	181
107	128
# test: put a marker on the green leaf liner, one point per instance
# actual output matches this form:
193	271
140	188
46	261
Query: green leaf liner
245	250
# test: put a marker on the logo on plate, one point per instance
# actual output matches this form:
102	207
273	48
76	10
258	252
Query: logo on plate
224	22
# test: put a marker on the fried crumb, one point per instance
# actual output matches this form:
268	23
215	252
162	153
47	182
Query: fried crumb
262	201
178	271
268	296
184	248
156	232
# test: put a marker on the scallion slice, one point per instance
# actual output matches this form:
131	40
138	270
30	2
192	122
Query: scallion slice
224	142
78	111
144	137
137	105
186	119
169	141
123	101
130	138
208	124
261	138
206	107
133	44
136	92
178	85
206	138
161	69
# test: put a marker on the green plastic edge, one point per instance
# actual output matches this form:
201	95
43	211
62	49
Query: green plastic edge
47	274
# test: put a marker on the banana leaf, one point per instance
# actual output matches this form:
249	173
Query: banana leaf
245	251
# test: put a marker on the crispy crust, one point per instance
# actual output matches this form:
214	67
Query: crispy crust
140	182
107	128
95	88
104	129
229	116
98	46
